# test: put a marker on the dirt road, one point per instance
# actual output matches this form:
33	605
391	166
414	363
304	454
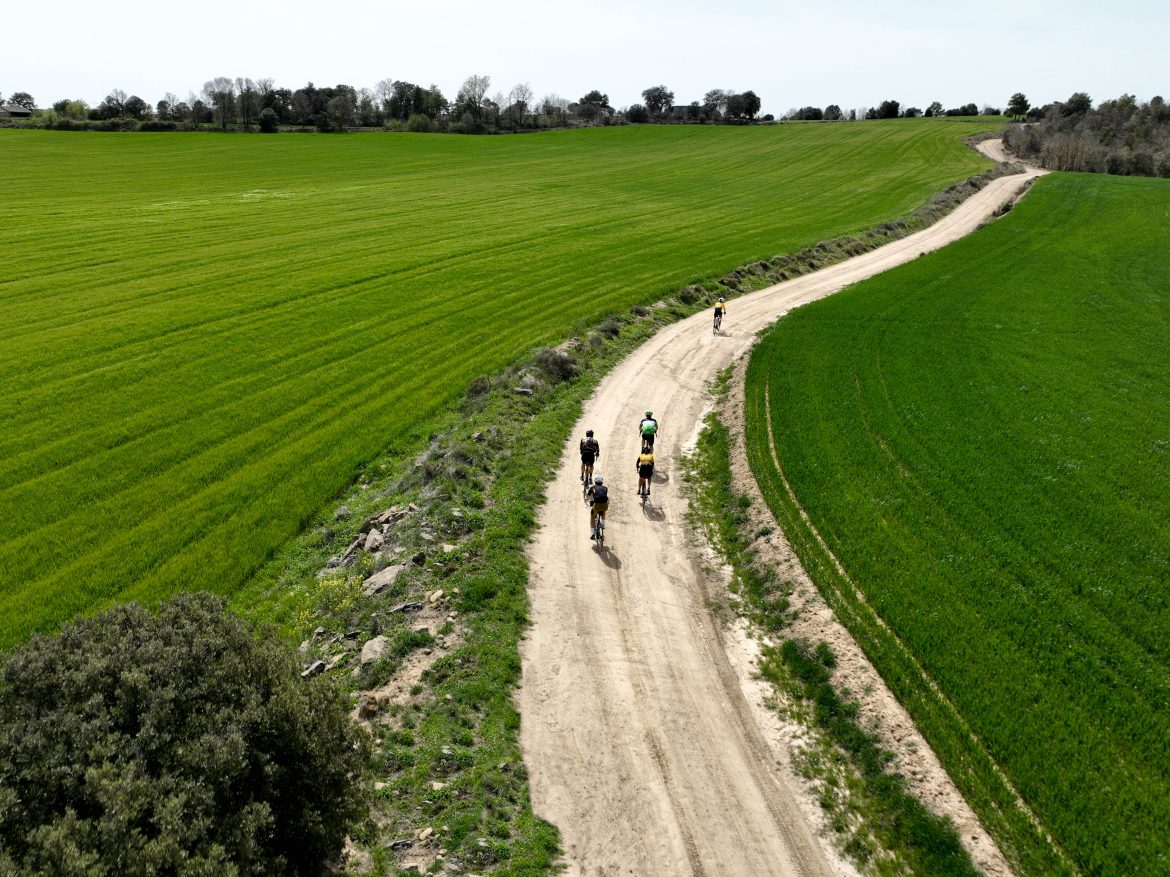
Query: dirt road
640	743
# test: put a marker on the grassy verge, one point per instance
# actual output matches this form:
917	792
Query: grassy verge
878	821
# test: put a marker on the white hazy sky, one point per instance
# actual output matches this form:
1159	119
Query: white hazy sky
848	52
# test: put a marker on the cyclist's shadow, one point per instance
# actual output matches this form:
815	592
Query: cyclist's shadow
608	557
653	513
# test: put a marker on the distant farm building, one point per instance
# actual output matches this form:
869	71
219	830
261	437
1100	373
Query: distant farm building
14	111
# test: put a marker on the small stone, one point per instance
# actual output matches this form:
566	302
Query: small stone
524	391
367	707
412	507
314	669
374	541
378	786
457	513
478	437
503	765
401	844
373	649
436	596
303	648
407	607
447	548
436	786
425	833
342	514
318	633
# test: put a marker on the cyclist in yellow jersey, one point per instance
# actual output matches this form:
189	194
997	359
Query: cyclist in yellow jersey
645	467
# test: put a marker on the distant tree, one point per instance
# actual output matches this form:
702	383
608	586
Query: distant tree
832	113
519	100
853	115
23	99
340	110
911	113
248	102
965	110
114	106
637	114
175	742
935	109
749	104
136	108
269	121
593	106
659	100
369	112
714	104
181	112
1077	105
162	111
471	95
806	114
554	110
221	94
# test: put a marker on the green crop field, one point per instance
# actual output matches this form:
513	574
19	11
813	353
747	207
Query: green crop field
204	336
982	439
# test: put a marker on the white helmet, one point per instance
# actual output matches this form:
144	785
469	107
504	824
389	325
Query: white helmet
597	479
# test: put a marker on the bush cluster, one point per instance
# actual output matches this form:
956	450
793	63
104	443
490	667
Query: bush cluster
176	742
1119	136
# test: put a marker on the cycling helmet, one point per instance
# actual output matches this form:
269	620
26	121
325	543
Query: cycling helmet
649	413
589	433
721	298
597	479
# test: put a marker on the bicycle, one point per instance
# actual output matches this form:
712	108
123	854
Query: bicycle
644	492
600	540
587	478
718	323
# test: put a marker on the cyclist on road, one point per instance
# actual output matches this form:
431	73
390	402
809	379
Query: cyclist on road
648	428
645	467
598	496
590	451
720	310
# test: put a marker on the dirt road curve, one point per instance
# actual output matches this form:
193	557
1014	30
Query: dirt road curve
640	743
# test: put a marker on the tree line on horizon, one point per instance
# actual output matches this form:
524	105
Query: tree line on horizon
887	109
242	103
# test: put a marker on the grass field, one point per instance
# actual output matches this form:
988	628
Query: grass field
981	438
205	336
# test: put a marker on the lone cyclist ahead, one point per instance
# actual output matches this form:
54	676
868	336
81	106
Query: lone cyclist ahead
720	310
648	428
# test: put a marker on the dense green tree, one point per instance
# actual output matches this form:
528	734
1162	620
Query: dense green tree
637	114
1018	106
136	108
174	743
935	109
23	99
1078	104
659	100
